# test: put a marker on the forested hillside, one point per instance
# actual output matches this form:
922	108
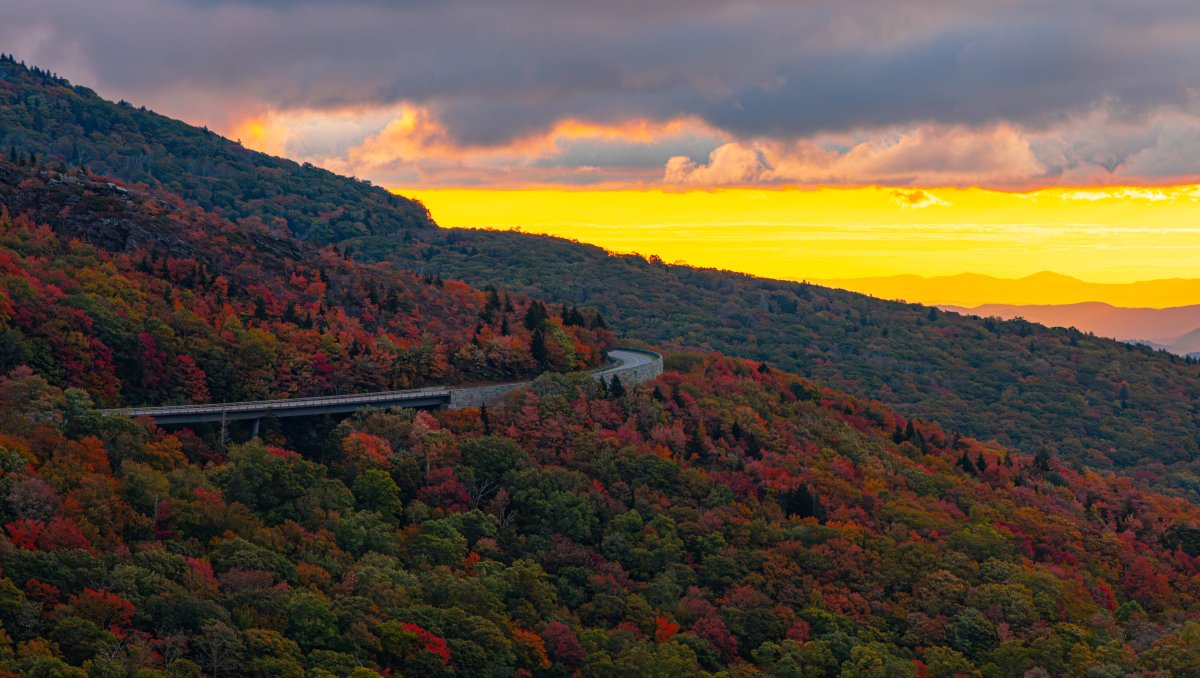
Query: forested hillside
1091	401
61	123
725	519
138	298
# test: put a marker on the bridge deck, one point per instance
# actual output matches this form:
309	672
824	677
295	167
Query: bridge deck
633	365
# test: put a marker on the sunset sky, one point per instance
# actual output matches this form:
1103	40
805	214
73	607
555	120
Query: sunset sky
822	139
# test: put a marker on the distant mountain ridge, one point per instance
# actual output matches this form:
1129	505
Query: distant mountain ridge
971	290
1174	329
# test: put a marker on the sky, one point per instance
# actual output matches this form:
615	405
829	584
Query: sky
1118	235
701	106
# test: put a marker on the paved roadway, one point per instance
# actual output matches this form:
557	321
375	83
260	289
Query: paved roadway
629	363
626	361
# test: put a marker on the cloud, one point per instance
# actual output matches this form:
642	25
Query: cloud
414	148
729	164
927	155
1016	90
498	70
918	199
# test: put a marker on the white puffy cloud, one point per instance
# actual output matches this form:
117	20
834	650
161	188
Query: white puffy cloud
927	155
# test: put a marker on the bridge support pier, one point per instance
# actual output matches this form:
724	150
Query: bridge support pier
254	429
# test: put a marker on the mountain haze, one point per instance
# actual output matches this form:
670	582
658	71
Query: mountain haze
1045	288
1174	329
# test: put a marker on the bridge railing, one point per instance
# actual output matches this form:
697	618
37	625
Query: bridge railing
457	397
280	404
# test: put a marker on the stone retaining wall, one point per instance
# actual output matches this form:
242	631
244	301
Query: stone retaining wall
489	395
481	395
639	374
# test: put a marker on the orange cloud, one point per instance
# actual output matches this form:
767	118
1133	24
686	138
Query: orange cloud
917	199
415	147
409	145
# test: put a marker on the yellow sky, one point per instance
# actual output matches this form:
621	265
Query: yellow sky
1107	234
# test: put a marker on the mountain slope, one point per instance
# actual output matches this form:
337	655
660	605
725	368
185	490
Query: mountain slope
727	518
1016	382
1093	401
1187	344
139	299
43	114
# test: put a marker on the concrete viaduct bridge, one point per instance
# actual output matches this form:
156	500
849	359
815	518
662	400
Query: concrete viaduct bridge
633	365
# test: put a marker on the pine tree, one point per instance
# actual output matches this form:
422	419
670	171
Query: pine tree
537	348
491	306
616	389
965	463
1041	460
802	502
695	445
485	419
677	396
535	316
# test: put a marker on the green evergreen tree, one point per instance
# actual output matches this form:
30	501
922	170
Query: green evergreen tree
537	348
965	463
616	389
535	316
1041	460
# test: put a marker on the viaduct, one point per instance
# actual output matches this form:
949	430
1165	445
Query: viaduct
633	365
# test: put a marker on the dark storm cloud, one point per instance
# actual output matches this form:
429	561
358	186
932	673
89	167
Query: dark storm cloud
495	71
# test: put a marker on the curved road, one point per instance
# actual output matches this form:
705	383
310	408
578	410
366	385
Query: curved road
628	360
632	365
